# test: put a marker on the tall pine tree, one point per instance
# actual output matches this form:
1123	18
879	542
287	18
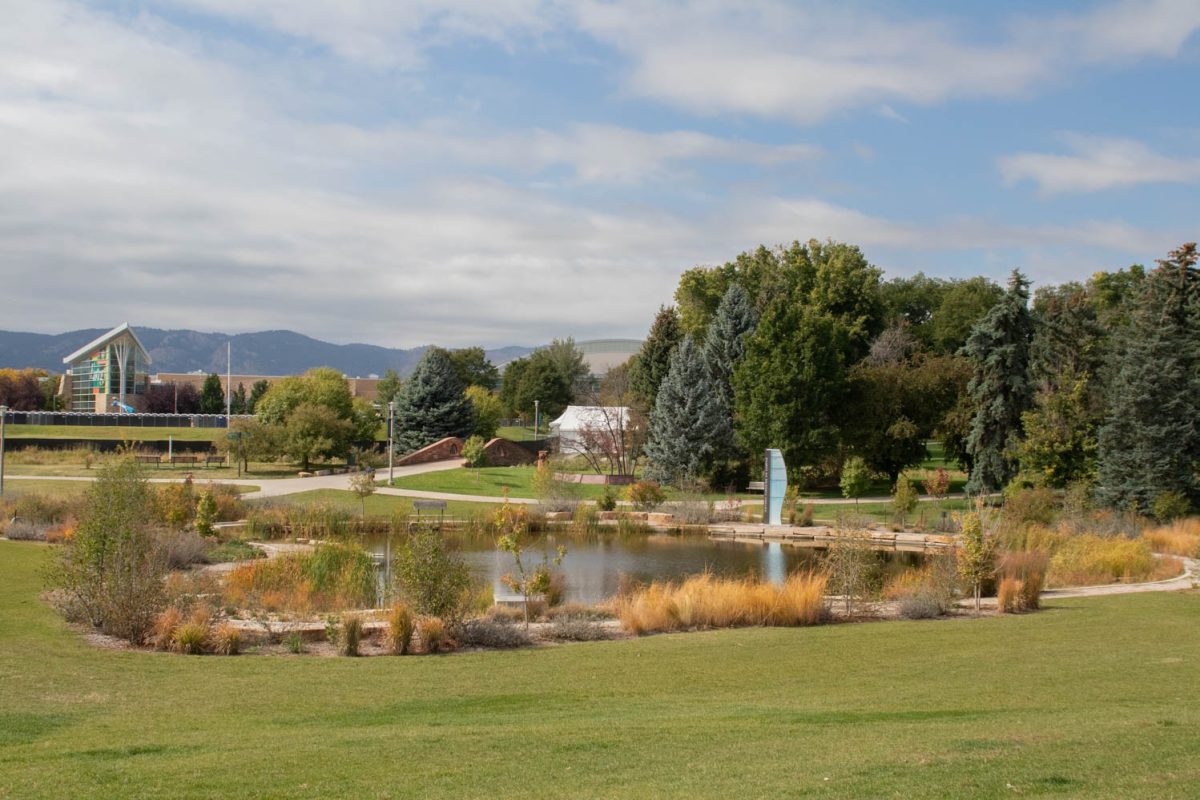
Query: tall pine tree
725	339
654	359
1000	389
431	404
688	418
1150	442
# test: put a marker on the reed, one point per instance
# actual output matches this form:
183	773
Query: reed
706	601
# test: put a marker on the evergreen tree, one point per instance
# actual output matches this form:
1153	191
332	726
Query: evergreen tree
432	404
237	403
998	348
688	418
1150	442
654	359
256	393
725	340
212	396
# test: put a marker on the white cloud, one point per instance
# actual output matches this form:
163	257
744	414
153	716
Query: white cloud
1097	163
780	60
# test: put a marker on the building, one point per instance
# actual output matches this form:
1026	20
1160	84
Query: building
579	423
107	374
366	388
601	355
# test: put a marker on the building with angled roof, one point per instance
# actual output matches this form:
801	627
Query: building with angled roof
107	374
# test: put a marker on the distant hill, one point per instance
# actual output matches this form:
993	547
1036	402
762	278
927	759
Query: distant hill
262	353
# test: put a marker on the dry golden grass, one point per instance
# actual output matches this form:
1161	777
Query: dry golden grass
1180	538
400	626
1088	559
1009	595
705	601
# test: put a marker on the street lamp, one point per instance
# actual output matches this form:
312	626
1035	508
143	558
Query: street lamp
537	422
391	432
3	414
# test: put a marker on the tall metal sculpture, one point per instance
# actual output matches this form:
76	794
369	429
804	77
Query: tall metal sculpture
774	487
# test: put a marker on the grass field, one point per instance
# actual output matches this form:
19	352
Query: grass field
489	481
115	432
378	505
1091	698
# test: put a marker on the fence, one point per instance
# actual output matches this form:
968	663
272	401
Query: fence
123	420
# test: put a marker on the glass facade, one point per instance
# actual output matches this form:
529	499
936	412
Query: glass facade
99	373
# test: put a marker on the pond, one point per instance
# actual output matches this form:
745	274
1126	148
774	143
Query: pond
594	567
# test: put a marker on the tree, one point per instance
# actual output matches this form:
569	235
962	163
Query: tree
432	578
791	383
904	498
21	390
431	405
998	348
1149	444
510	386
212	396
313	432
976	554
688	421
568	360
472	367
856	479
238	402
724	347
206	514
488	410
1060	445
362	484
654	359
612	436
323	386
541	380
850	562
963	305
257	391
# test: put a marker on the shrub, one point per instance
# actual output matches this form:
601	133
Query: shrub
432	633
1180	538
904	498
176	504
577	629
608	500
331	577
233	550
806	516
493	633
919	605
183	548
432	578
206	514
551	493
473	452
399	629
351	634
1009	595
192	637
703	601
20	530
43	509
1029	569
294	642
1089	559
575	611
226	640
162	634
112	569
646	495
692	511
1024	505
1171	505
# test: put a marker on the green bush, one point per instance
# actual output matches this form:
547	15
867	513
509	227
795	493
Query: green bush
608	500
1170	506
431	576
294	642
191	637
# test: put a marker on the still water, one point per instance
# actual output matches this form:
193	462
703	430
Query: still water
594	567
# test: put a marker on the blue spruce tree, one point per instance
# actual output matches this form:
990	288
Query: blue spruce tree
431	404
688	420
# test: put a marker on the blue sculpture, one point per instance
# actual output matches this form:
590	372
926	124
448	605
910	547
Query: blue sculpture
774	487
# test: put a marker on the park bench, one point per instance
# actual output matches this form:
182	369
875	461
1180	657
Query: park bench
425	513
213	459
184	460
756	486
143	458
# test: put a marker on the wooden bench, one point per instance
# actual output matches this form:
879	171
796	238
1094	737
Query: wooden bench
423	518
756	486
213	459
184	459
142	458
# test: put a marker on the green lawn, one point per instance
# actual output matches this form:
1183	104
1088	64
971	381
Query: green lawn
378	505
489	481
117	432
1091	698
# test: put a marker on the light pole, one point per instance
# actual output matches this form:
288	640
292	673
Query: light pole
391	431
3	414
537	422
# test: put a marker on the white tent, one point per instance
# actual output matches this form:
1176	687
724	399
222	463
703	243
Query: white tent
577	421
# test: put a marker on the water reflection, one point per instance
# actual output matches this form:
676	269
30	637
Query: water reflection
593	567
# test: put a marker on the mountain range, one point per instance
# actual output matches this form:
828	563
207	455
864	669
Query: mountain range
261	353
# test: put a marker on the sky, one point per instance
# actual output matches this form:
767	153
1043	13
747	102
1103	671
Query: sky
496	172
